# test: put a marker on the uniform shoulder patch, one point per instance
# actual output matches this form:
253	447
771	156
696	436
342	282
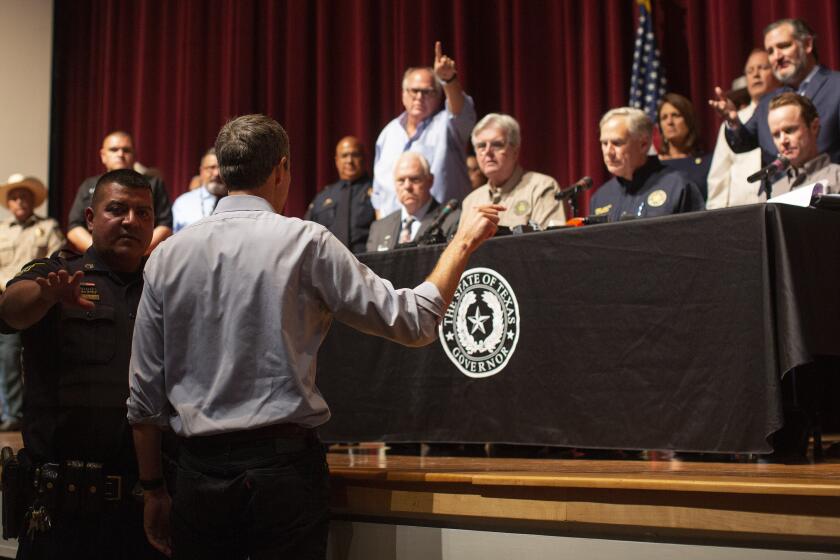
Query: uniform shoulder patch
657	198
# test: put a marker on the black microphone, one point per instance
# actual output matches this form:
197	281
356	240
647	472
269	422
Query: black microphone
776	166
432	233
582	185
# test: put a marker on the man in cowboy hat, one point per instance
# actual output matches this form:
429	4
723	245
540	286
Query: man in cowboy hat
23	237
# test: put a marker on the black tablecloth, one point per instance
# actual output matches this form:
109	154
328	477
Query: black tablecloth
666	333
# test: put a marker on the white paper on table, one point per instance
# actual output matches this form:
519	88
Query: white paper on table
800	196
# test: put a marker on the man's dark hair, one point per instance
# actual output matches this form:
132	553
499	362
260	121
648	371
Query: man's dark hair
801	31
248	148
806	107
124	177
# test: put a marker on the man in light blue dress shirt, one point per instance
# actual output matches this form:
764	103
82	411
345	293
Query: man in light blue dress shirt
200	203
224	352
441	135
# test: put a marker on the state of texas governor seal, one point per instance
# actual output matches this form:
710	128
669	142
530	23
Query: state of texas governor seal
481	327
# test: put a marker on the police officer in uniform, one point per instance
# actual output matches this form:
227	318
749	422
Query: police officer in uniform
76	317
641	186
344	207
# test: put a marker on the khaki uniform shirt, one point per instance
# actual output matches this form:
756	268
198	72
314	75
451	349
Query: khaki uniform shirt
818	170
528	196
20	243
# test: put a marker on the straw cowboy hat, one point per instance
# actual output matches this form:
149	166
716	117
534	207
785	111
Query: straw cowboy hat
18	181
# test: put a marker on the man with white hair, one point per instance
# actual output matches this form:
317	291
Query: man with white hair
441	135
413	179
727	180
24	236
641	186
527	195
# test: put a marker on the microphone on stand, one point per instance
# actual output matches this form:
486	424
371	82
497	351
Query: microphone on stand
582	185
433	232
778	165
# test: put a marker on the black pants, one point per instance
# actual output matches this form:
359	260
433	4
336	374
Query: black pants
115	534
263	499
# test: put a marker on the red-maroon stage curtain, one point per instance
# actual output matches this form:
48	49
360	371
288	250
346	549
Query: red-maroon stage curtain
173	71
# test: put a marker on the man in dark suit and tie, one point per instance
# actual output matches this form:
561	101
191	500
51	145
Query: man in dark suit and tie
413	180
793	56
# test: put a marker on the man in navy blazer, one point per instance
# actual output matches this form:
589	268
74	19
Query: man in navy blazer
793	56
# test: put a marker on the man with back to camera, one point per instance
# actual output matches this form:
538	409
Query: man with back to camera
441	135
199	203
241	393
641	186
344	206
75	314
790	44
795	127
418	210
727	180
117	152
529	196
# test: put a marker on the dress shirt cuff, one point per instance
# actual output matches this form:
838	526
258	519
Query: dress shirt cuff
160	419
429	298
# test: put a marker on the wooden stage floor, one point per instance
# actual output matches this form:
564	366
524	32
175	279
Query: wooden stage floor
745	504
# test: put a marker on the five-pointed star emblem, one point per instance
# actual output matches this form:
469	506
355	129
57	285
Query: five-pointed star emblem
477	321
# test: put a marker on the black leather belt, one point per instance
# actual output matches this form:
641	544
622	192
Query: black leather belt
274	431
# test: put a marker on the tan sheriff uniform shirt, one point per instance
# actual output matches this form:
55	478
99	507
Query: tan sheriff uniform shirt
20	243
528	196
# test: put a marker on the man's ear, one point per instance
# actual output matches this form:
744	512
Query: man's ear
815	126
808	45
89	218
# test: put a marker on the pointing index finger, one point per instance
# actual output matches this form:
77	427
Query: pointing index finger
438	51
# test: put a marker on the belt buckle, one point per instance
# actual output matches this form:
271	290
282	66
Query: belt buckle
112	488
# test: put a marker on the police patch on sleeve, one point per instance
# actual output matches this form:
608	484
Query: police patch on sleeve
657	198
480	329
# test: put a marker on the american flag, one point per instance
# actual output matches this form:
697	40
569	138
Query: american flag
647	84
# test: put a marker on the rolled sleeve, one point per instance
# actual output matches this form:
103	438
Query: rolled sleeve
147	402
463	122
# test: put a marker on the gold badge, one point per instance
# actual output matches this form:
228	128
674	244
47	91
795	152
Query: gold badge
88	291
521	208
657	198
603	209
698	161
327	202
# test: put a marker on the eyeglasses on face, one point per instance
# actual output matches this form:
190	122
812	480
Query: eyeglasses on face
496	145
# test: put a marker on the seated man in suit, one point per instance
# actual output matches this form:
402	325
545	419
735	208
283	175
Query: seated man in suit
528	196
641	186
413	179
795	127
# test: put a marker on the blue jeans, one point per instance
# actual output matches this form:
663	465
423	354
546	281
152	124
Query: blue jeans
265	499
11	386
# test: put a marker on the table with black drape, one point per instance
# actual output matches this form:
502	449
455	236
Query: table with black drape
664	333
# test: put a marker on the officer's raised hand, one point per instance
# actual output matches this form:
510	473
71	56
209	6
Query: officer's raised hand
60	287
